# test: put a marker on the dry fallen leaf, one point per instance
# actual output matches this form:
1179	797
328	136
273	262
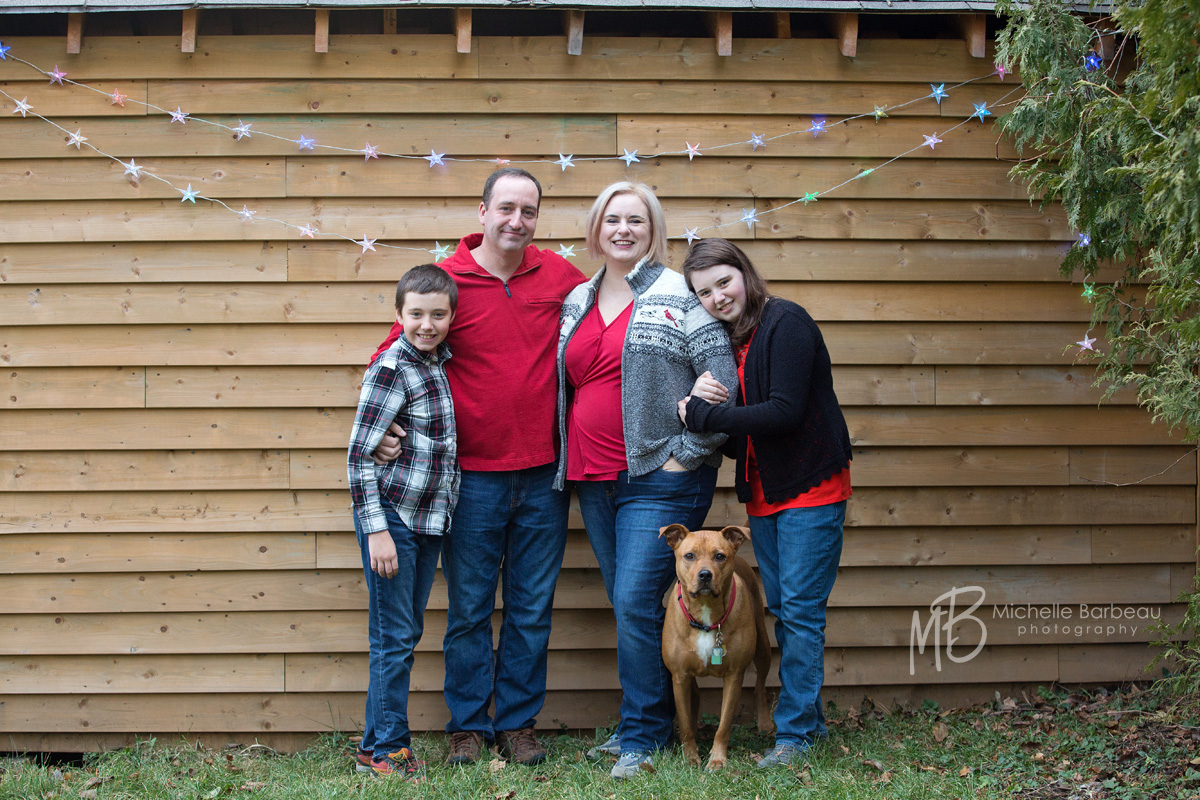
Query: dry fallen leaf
885	778
877	765
648	767
940	731
497	764
88	794
505	795
1039	756
964	772
250	786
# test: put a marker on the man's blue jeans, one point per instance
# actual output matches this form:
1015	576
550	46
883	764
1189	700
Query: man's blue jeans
623	518
512	523
395	621
798	551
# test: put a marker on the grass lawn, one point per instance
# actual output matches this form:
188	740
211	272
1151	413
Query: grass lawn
1058	744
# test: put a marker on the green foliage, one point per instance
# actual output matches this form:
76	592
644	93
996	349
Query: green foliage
1123	157
1180	645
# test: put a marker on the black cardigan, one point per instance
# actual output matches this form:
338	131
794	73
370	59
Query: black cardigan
789	411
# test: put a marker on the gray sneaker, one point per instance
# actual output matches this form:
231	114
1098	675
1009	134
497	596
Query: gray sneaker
781	755
611	747
630	764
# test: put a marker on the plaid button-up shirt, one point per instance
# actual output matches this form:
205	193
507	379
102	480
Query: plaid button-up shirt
410	387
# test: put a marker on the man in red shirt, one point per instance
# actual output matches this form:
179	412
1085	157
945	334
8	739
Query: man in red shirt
509	521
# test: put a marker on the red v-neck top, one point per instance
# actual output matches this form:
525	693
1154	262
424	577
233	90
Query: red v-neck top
595	436
833	489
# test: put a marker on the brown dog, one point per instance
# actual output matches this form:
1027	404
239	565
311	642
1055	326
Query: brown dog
715	626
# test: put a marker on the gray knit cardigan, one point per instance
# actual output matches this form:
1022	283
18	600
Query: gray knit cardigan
671	339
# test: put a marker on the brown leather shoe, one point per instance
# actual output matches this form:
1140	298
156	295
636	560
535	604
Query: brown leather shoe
521	746
465	747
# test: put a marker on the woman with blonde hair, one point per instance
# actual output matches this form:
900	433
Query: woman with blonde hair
633	340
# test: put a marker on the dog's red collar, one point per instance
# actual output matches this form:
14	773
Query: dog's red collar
691	620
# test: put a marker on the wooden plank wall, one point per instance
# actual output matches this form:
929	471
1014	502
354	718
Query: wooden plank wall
175	546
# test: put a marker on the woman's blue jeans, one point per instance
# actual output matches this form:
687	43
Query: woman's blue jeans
395	622
798	551
623	518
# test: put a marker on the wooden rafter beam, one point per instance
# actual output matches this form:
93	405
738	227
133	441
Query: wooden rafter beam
321	41
74	31
573	22
389	20
845	29
462	29
720	25
783	25
974	31
187	41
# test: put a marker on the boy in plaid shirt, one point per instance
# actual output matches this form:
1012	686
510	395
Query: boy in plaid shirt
403	508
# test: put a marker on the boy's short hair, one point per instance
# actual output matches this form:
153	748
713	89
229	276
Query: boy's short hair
427	279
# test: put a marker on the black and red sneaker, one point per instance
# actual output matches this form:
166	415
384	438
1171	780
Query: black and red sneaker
402	764
362	759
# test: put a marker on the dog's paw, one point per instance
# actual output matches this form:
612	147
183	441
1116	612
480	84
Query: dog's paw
714	764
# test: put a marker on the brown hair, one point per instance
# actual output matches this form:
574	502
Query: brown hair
508	172
427	279
708	253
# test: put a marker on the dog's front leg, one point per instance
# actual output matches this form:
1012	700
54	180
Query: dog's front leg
685	711
731	694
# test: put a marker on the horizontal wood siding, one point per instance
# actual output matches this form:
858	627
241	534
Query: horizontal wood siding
176	550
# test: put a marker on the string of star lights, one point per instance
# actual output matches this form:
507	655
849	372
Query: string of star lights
817	126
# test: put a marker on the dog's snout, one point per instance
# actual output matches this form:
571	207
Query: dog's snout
705	575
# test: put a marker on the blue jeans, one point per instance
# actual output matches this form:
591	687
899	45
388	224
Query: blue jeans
395	621
512	523
798	551
623	518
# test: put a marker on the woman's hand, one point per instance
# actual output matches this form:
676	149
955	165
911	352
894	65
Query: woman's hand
683	409
710	390
389	447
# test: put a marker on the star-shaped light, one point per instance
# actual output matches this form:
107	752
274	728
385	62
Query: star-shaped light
938	92
567	250
809	197
1084	240
57	75
501	161
77	138
932	141
1087	343
189	195
179	115
370	151
629	157
1089	291
132	169
749	216
1001	70
693	150
367	244
879	113
247	214
440	251
691	234
4	52
305	142
309	231
117	99
22	107
241	130
864	173
565	161
981	111
756	141
435	158
817	127
1092	61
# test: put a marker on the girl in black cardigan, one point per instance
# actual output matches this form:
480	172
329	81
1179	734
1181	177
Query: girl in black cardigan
793	468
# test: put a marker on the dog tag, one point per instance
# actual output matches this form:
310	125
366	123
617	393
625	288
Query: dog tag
718	653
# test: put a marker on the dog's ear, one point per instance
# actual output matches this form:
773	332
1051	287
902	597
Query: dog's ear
674	534
735	535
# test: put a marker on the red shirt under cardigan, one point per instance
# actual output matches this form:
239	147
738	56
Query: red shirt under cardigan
503	375
595	435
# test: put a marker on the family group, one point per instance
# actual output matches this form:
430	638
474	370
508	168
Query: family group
509	379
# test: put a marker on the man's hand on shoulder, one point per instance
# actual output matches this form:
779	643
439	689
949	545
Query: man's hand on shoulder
389	449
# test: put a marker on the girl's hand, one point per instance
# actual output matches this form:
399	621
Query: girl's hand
389	448
683	409
384	560
710	390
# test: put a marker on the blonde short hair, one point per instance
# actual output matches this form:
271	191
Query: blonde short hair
658	235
